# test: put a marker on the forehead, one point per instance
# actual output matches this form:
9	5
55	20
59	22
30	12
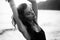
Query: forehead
29	7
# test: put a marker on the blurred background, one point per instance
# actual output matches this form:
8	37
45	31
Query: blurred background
48	19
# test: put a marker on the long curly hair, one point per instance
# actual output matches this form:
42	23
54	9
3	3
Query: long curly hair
27	24
21	15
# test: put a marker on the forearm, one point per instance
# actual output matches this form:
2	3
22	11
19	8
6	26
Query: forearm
35	8
14	9
15	12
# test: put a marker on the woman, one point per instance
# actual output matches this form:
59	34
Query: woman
26	20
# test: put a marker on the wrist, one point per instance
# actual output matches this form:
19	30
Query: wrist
9	0
33	1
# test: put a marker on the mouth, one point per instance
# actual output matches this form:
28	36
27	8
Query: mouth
31	17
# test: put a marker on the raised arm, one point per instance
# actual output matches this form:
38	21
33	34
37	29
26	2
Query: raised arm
34	7
20	25
14	9
15	12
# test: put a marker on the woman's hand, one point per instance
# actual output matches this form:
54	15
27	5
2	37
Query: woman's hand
32	0
8	0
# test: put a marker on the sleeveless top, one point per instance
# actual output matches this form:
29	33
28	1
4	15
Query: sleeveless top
36	35
33	34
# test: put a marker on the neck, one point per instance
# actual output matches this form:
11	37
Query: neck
35	26
31	22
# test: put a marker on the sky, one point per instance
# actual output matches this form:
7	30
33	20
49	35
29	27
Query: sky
48	19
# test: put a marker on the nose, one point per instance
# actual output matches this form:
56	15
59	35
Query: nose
32	13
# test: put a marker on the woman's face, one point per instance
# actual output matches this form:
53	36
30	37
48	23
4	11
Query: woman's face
29	13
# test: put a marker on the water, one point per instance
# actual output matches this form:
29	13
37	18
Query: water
49	20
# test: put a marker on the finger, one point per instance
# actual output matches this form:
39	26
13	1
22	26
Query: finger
6	0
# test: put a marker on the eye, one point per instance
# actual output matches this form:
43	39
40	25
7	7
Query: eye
28	13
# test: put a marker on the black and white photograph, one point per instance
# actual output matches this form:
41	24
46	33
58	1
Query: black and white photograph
29	19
